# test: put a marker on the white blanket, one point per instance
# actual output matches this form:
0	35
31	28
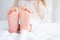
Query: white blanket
43	31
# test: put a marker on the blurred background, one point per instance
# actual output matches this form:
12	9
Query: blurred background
56	11
4	7
53	7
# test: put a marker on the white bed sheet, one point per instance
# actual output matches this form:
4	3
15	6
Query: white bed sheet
44	31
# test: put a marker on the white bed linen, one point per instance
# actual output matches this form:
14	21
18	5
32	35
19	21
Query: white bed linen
42	31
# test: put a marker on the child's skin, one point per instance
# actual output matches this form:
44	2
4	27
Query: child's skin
14	16
13	19
25	16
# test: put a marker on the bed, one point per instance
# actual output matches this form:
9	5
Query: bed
44	31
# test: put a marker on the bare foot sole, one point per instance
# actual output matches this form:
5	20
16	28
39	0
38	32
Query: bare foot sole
13	19
25	16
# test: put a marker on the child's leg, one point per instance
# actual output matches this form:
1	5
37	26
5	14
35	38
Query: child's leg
25	16
13	19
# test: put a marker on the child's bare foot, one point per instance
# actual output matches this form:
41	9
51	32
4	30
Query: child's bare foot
25	16
13	19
